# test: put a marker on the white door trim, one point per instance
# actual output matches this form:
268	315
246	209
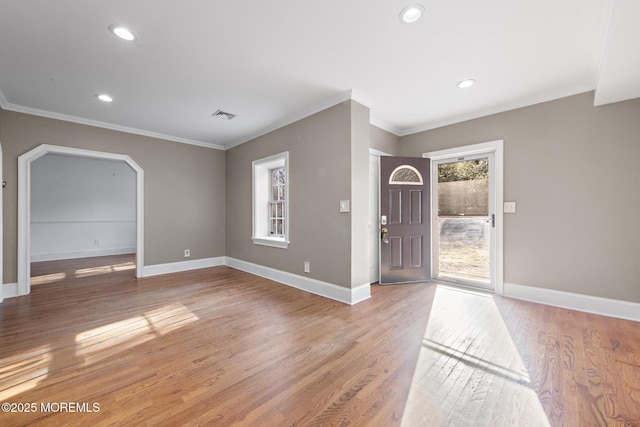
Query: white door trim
497	148
24	205
374	208
1	231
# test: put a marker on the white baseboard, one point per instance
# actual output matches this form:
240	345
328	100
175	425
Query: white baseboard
587	303
328	290
10	290
349	296
176	267
82	254
360	293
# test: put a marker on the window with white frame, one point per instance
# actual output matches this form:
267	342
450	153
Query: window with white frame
271	201
277	219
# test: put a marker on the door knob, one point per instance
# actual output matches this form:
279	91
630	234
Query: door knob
385	235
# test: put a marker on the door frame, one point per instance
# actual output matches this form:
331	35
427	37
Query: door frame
374	207
1	230
24	205
497	148
435	237
407	273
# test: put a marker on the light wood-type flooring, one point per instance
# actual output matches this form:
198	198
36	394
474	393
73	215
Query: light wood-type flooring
221	347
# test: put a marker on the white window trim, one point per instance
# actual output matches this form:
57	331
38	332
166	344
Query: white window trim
260	200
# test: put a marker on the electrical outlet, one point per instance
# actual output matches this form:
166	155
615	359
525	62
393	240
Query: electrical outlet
187	253
96	242
307	267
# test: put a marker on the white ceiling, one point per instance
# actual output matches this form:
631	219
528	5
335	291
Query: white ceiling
272	62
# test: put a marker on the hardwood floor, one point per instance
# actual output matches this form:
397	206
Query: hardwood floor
221	347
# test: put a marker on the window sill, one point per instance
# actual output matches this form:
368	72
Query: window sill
271	241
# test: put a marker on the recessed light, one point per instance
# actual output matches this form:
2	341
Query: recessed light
411	14
122	32
463	84
104	97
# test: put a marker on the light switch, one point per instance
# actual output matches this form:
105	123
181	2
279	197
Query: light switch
344	206
509	207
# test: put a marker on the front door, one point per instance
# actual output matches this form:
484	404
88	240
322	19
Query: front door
404	220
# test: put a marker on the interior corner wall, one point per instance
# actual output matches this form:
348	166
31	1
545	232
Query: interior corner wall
359	215
384	141
573	170
319	149
184	186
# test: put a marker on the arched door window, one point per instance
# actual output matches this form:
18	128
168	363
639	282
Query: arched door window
405	175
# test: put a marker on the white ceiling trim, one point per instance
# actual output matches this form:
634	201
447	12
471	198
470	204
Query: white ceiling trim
358	97
617	77
583	47
582	88
73	119
3	101
375	121
601	49
361	98
302	114
309	111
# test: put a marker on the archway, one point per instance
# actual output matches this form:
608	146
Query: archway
24	208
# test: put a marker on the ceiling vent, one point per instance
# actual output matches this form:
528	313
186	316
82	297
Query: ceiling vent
223	115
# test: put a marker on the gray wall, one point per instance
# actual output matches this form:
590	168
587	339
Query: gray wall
573	170
384	141
571	167
320	164
184	186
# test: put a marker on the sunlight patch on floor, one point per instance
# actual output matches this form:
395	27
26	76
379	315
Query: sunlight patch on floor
23	372
124	266
83	272
93	271
48	278
108	340
104	269
169	318
464	374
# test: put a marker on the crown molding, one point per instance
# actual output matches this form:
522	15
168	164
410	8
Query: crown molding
3	101
551	96
351	94
104	125
606	17
618	58
302	114
307	112
375	121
